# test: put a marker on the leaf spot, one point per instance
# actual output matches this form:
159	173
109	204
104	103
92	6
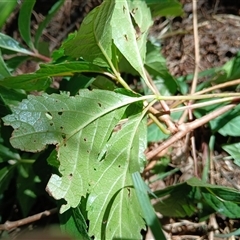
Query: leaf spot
124	9
125	36
99	104
129	192
64	136
85	139
61	127
51	124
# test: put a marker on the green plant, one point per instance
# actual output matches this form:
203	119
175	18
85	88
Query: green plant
89	136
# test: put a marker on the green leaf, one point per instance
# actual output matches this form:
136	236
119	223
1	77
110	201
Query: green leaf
73	223
155	63
41	79
27	187
24	21
46	21
130	40
165	7
184	206
94	37
6	8
89	158
114	212
148	211
4	72
228	123
226	208
234	151
6	175
9	43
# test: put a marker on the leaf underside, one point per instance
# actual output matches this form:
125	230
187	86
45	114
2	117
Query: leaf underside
95	162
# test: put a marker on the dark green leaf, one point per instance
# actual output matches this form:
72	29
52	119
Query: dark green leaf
73	223
148	211
157	68
41	79
4	72
24	21
6	8
165	7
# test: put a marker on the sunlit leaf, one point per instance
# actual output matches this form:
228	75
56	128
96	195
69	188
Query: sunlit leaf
130	40
9	43
94	36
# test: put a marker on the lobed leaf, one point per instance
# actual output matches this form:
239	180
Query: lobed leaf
91	157
113	208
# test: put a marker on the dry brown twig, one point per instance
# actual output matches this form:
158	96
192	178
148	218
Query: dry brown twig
8	225
188	127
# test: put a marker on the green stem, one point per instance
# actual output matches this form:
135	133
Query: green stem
204	104
196	97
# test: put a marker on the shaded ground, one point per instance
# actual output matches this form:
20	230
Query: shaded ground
219	39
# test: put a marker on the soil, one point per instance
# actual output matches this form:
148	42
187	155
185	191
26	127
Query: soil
219	41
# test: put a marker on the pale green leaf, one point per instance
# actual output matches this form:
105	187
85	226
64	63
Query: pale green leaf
94	37
9	43
130	40
24	21
91	156
113	208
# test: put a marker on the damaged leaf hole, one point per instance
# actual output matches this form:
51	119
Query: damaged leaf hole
134	10
99	104
49	115
60	113
85	139
61	127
